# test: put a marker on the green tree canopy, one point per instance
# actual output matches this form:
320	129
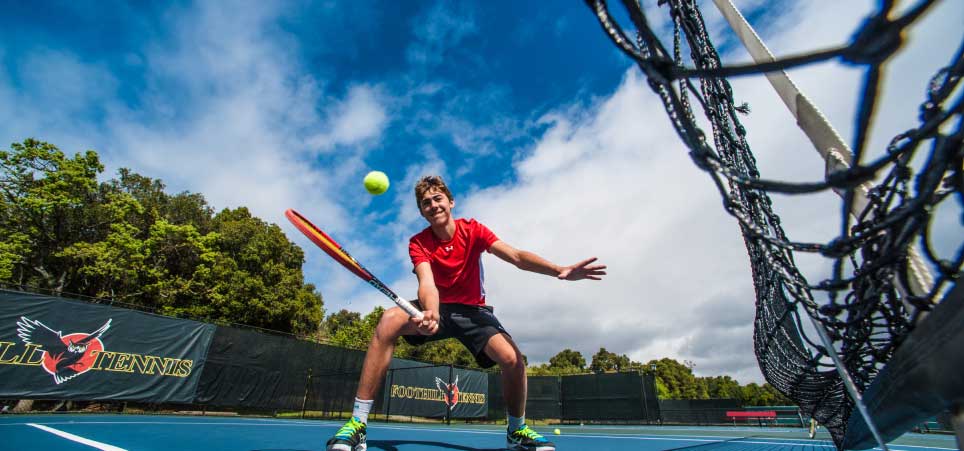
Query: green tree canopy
722	387
50	202
568	360
678	379
604	360
128	240
444	352
339	319
357	334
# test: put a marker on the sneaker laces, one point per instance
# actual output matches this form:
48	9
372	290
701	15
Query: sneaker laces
349	429
529	433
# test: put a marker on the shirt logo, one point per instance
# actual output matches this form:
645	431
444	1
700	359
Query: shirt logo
448	248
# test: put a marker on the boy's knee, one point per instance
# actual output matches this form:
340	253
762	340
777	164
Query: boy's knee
511	359
391	324
515	361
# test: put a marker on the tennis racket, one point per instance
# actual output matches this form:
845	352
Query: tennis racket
335	251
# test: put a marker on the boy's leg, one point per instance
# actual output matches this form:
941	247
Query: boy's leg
393	324
503	351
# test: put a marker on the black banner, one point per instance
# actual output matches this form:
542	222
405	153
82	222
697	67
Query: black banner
430	391
57	348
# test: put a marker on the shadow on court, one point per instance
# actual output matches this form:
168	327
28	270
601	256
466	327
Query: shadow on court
392	445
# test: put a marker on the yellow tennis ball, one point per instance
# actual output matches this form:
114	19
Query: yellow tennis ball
376	182
557	431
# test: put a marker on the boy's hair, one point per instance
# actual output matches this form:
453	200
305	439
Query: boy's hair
428	183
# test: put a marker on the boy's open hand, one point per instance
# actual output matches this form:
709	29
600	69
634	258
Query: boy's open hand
583	270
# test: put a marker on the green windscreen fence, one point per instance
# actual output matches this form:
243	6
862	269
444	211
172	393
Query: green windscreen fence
697	411
545	397
253	369
627	397
609	397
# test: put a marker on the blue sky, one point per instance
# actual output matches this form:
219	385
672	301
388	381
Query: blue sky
543	129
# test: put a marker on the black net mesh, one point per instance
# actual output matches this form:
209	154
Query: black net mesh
869	303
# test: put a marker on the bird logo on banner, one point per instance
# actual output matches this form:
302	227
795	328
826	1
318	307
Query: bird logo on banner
65	356
449	391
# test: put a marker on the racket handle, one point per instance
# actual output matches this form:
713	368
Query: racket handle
409	308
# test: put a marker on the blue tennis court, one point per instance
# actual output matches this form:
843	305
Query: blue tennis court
204	433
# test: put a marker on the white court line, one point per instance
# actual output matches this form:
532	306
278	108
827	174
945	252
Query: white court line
322	423
77	438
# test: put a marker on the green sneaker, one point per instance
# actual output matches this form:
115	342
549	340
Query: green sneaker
351	437
526	439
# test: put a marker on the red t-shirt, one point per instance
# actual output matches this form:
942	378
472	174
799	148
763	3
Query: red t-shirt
456	263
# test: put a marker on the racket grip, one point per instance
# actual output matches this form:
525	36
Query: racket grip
409	308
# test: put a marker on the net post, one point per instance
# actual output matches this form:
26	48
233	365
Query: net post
644	415
388	400
304	401
848	382
448	403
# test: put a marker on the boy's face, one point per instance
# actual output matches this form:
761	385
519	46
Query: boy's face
436	207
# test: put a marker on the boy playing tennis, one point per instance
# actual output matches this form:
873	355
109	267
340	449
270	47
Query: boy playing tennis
447	260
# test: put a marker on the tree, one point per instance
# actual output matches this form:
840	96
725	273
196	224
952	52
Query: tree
258	278
444	352
357	334
567	361
604	360
47	199
336	321
677	378
128	240
181	208
763	395
722	387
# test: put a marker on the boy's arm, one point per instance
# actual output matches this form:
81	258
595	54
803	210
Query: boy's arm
428	298
529	261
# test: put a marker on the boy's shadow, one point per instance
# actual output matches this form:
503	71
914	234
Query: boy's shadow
392	445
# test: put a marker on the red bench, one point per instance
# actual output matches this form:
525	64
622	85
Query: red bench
760	415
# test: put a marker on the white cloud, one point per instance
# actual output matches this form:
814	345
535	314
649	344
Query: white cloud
359	118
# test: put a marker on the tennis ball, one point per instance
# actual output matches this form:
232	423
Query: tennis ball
557	431
376	182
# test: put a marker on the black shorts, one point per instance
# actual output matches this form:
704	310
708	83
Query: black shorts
472	325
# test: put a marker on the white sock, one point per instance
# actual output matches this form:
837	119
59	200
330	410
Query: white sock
516	422
361	408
